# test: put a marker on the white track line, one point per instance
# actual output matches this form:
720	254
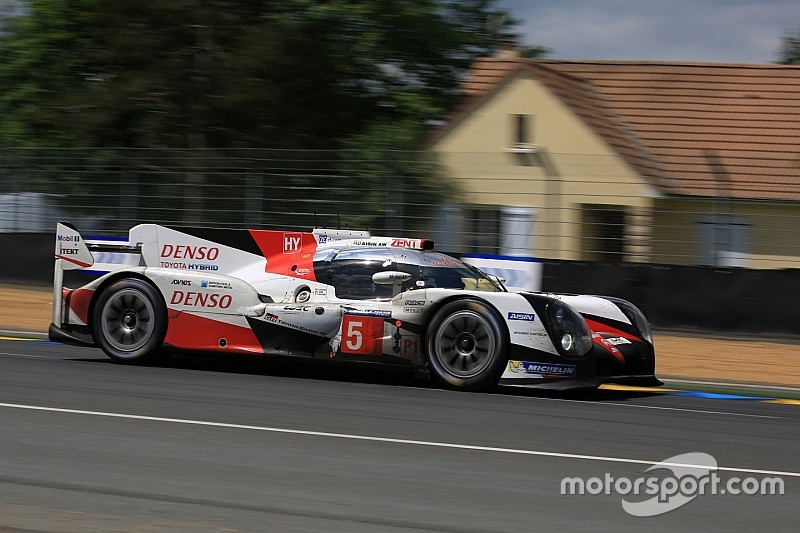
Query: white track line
388	440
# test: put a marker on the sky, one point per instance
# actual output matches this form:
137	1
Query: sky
727	31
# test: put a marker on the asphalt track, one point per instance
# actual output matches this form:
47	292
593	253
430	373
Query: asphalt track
212	444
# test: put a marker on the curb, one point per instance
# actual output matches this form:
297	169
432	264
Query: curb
732	388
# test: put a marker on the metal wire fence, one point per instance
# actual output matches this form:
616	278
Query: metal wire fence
572	206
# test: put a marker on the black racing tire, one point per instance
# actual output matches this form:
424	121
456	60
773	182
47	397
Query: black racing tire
129	322
467	345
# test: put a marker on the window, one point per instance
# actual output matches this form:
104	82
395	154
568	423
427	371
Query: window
482	224
603	233
522	129
723	240
351	272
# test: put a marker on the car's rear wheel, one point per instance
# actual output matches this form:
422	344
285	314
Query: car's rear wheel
130	321
467	345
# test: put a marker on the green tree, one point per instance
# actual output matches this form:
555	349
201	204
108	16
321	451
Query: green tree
366	78
790	48
196	73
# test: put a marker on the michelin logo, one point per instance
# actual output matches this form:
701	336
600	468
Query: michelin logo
529	317
546	369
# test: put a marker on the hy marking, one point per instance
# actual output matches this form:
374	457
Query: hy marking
431	444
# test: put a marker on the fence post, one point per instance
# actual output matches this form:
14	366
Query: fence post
253	198
128	192
395	196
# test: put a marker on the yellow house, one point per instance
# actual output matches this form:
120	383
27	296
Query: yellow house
679	163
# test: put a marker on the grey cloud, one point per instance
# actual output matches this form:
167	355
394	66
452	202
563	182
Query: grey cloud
737	31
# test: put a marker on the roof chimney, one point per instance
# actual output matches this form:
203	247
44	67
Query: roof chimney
508	48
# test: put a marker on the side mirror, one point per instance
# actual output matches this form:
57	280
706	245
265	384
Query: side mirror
390	277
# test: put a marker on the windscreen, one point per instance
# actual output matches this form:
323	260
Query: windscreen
444	272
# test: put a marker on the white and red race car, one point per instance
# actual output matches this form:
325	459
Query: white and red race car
336	294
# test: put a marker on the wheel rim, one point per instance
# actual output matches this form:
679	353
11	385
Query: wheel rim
465	344
127	320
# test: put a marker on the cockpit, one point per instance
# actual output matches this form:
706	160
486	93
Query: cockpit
351	272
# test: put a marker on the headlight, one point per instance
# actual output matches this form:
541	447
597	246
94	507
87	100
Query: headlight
636	317
568	330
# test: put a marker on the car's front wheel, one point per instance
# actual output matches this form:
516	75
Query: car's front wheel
130	321
467	345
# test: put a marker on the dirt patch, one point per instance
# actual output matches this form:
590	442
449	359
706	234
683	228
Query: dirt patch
25	308
677	355
716	359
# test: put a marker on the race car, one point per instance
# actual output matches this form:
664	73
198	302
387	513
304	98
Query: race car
340	295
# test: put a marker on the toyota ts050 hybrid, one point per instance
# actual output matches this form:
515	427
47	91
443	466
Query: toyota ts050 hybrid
341	295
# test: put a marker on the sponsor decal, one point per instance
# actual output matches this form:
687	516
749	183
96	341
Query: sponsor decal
369	243
412	310
296	308
180	251
414	302
200	299
405	243
545	369
370	312
291	242
215	285
445	263
529	317
321	292
278	320
188	266
184	282
198	266
323	239
616	341
67	251
531	333
602	341
69	238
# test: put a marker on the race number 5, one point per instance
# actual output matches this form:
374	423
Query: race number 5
354	339
362	335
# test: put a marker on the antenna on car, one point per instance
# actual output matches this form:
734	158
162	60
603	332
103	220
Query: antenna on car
338	222
315	220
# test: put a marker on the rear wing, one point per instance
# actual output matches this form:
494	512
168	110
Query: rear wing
71	249
76	252
73	252
337	238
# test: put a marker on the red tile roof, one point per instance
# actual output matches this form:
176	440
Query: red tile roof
699	129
